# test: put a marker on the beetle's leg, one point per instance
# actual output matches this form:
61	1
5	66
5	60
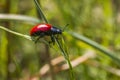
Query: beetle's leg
37	39
42	34
57	36
52	39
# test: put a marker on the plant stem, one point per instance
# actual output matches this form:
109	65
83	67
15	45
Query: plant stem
40	11
16	33
6	23
49	62
66	56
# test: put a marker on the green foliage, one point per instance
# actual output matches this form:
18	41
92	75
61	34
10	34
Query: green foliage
3	57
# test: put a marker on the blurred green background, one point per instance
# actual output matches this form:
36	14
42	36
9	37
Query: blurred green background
98	20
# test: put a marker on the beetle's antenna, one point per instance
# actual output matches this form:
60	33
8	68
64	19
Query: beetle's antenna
40	11
65	27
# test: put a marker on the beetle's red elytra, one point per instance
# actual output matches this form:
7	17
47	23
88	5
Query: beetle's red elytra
40	28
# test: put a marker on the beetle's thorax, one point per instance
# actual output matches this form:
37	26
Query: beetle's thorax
55	30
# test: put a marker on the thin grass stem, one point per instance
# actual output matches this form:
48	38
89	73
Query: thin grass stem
16	33
66	56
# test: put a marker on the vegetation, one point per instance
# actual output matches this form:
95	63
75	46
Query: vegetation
91	41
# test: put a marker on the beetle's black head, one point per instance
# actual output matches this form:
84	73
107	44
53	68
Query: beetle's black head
56	30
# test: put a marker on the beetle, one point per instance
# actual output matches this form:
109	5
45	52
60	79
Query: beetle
45	29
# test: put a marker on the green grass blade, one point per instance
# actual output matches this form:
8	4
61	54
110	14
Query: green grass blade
97	46
64	51
15	33
40	11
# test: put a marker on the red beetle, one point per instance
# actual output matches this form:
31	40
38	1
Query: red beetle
42	30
